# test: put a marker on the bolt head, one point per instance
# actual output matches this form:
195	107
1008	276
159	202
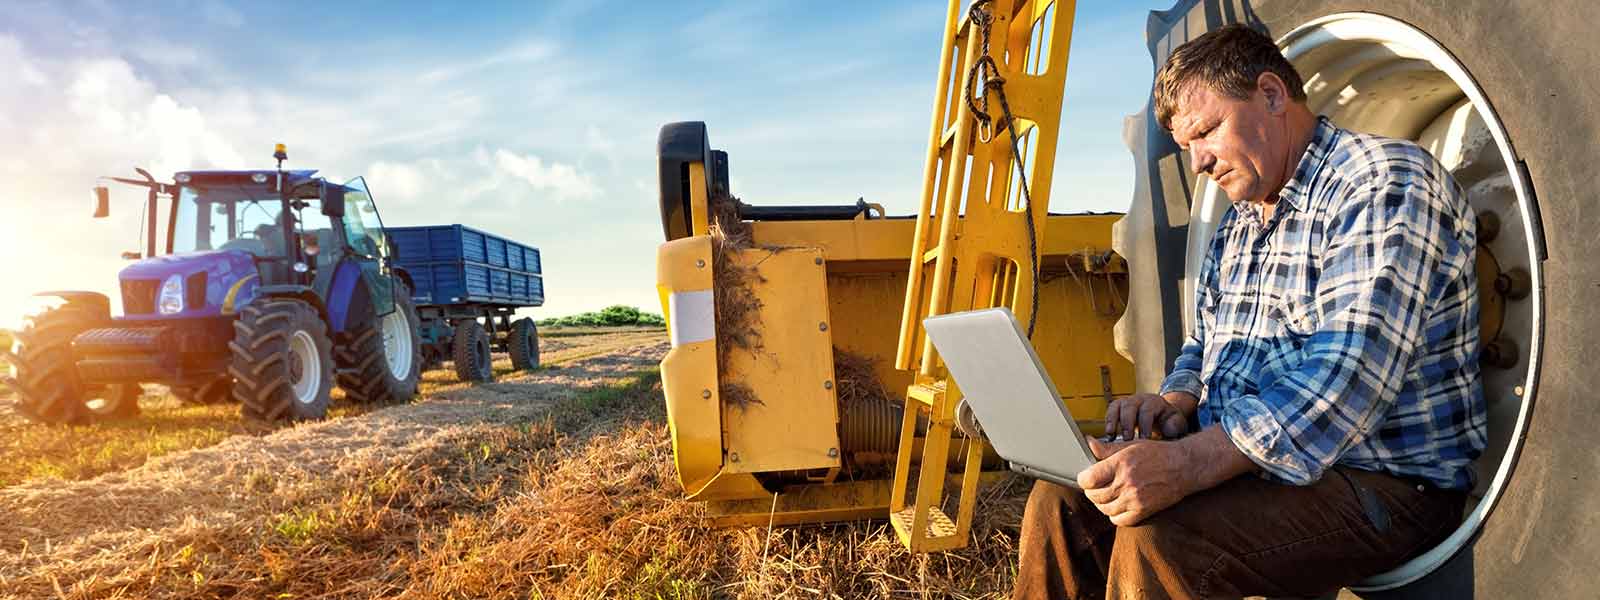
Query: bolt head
827	385
822	326
705	394
817	260
733	457
833	453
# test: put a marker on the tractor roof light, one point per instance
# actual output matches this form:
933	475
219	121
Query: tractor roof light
183	177
259	177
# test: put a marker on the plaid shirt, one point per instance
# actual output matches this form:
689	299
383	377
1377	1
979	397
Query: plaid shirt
1344	329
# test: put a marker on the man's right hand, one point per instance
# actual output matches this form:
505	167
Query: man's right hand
1142	415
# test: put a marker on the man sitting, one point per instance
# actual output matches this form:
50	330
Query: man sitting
1320	422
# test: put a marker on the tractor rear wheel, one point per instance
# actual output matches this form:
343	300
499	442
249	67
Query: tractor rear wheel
282	362
524	344
114	402
47	375
380	361
470	350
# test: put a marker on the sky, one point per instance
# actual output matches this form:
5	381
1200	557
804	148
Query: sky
536	121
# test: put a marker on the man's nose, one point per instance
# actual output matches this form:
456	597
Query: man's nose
1202	160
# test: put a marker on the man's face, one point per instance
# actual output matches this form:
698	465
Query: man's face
1241	144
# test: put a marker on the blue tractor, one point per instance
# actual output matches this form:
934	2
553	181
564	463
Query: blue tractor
268	287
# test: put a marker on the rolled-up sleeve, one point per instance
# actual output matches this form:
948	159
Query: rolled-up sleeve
1381	250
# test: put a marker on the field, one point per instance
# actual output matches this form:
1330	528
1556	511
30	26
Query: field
552	484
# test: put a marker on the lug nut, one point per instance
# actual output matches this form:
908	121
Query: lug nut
1514	284
1500	354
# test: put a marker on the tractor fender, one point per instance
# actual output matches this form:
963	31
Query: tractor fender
96	299
341	294
303	293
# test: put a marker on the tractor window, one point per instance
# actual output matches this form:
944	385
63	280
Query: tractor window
361	222
228	218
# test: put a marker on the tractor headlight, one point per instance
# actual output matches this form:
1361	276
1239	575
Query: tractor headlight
170	301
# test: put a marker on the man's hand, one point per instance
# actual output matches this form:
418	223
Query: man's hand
1147	415
1136	479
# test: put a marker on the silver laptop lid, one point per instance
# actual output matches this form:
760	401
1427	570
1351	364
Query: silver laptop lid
1010	392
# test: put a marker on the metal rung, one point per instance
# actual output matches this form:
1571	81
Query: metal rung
949	134
939	524
926	393
931	255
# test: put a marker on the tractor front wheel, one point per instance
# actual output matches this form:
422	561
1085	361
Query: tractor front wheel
47	375
282	362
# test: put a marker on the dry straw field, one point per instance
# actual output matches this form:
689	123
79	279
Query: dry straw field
553	484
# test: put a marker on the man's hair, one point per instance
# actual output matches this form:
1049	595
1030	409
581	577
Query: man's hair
1226	60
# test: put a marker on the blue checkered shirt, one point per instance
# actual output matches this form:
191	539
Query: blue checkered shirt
1344	329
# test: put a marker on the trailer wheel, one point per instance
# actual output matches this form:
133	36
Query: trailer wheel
470	350
282	362
1505	92
524	344
47	376
217	391
380	361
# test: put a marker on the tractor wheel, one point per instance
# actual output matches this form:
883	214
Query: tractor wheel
1502	94
524	344
282	362
470	350
218	391
47	376
380	361
117	402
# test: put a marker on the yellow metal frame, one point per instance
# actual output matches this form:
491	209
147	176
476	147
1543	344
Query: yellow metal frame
969	187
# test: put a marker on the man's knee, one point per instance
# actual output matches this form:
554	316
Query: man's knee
1048	496
1155	539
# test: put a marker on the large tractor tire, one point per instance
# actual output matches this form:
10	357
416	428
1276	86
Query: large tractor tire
471	353
47	375
282	364
524	344
1503	93
380	361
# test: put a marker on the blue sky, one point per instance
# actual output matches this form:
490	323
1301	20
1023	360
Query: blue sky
533	120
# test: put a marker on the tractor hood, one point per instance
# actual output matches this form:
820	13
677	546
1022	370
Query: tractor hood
213	283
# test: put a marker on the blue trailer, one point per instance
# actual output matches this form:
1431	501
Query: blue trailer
467	285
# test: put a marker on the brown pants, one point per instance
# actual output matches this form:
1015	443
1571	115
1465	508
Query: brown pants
1245	537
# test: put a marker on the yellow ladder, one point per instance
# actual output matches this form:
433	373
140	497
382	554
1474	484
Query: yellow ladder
970	249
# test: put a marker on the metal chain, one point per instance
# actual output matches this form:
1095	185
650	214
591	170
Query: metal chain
985	70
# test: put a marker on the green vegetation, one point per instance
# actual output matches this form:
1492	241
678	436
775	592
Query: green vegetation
610	316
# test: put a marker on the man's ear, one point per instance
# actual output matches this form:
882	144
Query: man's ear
1273	89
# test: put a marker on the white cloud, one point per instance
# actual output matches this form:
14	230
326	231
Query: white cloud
564	181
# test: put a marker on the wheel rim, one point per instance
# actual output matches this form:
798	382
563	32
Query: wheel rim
305	372
1372	73
397	343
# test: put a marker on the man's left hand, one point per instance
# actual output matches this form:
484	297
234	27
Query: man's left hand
1136	479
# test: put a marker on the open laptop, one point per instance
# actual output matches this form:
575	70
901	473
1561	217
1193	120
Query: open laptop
1010	393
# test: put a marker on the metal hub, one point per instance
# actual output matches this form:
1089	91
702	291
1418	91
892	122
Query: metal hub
396	330
305	373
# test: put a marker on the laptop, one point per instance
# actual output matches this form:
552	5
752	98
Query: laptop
1010	393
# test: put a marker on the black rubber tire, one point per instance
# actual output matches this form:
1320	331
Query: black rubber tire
261	362
470	351
118	402
523	344
1535	62
47	376
218	391
363	364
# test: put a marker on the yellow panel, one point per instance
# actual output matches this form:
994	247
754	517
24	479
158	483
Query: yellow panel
689	371
795	425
